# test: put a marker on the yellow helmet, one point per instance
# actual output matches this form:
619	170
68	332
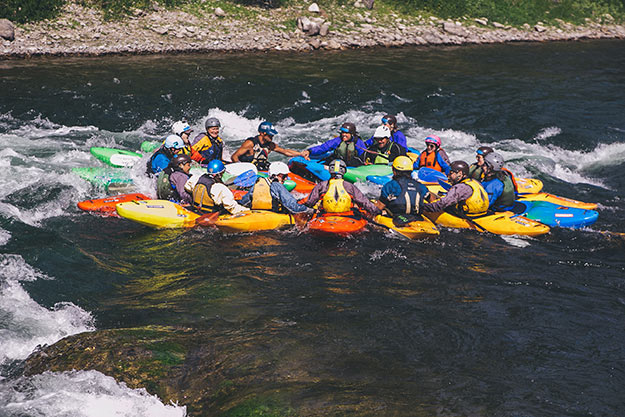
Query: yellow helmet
402	163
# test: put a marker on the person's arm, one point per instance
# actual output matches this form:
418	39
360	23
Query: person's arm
456	194
279	192
359	198
444	163
246	200
400	139
369	142
316	193
222	195
178	180
493	188
245	149
323	148
360	148
288	152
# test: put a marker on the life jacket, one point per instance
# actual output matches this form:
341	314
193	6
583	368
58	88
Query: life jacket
383	156
161	150
430	160
261	196
260	157
477	203
476	172
407	202
164	190
202	199
507	197
511	175
208	148
336	199
345	151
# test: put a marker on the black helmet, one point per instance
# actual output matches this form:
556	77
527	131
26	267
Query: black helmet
212	122
348	127
460	166
484	150
390	119
180	160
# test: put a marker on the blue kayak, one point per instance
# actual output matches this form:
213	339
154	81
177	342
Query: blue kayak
555	215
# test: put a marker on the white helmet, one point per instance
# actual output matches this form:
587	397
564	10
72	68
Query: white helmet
173	141
180	127
382	132
277	168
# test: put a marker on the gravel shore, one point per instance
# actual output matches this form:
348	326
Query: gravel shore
84	31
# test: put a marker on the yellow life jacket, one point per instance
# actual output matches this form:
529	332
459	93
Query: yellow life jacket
336	199
261	198
201	194
478	202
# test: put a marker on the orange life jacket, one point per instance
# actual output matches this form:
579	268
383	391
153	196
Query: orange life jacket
430	160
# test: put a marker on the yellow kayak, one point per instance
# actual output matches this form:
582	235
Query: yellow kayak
253	221
528	185
504	223
157	213
414	230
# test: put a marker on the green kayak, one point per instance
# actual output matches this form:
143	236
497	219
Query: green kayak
116	157
149	146
362	172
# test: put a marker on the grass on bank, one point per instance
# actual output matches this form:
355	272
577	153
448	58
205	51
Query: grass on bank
511	12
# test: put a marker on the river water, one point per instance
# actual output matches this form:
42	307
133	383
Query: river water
465	324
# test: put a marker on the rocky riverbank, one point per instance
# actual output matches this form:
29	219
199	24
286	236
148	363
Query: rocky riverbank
84	31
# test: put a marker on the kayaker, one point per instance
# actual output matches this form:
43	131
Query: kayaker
337	195
383	150
475	170
397	136
171	180
402	197
498	183
209	145
256	149
182	129
211	194
465	198
162	157
347	146
434	156
269	193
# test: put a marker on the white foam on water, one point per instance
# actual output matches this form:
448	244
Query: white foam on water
517	241
79	394
5	236
24	324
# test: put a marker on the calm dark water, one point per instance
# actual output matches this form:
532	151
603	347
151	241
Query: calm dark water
466	324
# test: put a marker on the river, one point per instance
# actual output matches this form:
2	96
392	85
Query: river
464	324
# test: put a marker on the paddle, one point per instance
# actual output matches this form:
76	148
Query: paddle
430	175
207	220
246	179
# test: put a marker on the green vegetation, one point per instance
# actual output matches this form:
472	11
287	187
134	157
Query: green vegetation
513	12
256	407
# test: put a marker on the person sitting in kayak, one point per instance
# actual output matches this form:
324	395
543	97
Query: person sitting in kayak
162	157
434	156
498	183
269	193
182	129
347	146
170	182
336	195
211	194
256	149
383	151
209	145
476	170
402	197
466	197
397	136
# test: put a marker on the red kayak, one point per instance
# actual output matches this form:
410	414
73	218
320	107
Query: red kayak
341	224
107	205
302	185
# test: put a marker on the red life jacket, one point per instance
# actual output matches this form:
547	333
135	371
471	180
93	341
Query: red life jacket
430	161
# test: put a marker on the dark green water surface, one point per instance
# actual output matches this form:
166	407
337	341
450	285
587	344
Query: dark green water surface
466	324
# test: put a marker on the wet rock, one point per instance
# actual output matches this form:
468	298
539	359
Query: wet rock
7	30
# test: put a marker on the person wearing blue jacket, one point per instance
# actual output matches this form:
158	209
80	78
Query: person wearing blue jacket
347	147
497	183
396	136
163	155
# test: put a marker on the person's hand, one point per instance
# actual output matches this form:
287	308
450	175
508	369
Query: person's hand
305	154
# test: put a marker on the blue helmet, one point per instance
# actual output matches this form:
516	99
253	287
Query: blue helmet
267	127
215	167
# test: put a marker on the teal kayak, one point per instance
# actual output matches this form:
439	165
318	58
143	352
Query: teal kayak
149	146
115	157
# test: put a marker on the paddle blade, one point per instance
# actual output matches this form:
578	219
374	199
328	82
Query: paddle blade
430	175
207	220
444	184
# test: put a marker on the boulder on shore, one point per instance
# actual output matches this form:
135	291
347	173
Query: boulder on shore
7	30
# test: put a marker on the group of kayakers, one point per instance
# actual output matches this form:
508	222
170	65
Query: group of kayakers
485	185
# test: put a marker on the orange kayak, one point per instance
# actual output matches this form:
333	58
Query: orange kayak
107	205
302	185
341	224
